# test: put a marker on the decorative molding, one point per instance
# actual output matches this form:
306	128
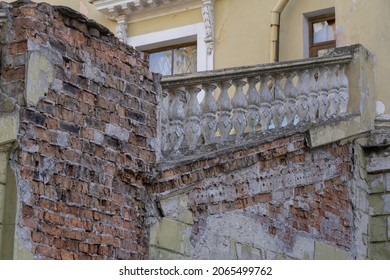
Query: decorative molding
382	121
208	19
379	161
138	10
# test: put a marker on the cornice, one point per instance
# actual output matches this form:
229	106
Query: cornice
138	10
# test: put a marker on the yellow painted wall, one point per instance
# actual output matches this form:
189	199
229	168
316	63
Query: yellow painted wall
367	22
165	22
241	32
84	7
293	28
357	22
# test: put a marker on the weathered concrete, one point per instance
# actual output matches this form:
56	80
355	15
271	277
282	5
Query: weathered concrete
326	252
9	127
39	76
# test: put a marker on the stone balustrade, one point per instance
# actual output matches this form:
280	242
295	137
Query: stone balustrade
226	106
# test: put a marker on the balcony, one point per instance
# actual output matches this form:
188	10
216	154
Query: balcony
331	97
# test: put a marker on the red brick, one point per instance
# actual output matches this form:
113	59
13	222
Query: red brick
14	73
264	197
73	234
27	210
66	255
36	236
18	48
54	218
47	251
30	222
88	248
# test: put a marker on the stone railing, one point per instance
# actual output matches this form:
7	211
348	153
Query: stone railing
229	105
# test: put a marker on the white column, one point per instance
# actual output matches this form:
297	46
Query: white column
208	20
121	28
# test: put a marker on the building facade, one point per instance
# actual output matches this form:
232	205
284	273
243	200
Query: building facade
265	137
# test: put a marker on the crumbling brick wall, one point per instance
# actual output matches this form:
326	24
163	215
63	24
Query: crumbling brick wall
87	106
278	199
89	181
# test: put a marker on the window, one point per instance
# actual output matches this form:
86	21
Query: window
176	37
179	59
322	35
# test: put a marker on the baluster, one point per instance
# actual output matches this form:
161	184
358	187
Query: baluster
344	90
323	93
176	117
224	108
291	99
253	99
209	108
313	96
278	102
302	101
333	95
265	105
164	123
239	109
193	113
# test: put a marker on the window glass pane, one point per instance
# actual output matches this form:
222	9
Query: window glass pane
323	31
184	60
161	62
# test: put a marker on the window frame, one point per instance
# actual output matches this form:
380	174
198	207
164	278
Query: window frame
172	48
188	33
315	47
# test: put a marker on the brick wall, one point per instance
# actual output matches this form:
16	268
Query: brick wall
279	199
90	184
87	122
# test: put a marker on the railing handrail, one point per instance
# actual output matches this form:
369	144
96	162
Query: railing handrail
234	73
233	104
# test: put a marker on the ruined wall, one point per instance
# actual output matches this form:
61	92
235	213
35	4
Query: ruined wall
81	176
87	107
279	199
377	174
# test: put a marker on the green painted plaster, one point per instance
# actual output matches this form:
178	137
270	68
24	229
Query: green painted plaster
378	228
376	183
379	251
376	203
171	235
327	252
21	252
9	247
161	254
3	166
6	104
176	208
39	77
9	127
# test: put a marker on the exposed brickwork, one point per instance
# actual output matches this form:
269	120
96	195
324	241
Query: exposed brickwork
94	125
86	166
284	185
